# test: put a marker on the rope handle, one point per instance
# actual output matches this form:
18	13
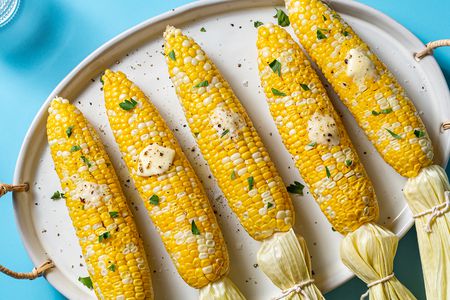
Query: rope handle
36	272
428	50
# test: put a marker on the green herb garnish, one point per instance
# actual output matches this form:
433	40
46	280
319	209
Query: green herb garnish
269	204
277	92
203	29
313	144
86	161
75	148
296	188
112	267
305	87
345	33
172	55
113	214
128	104
324	18
251	183
233	175
86	281
283	19
394	135
202	84
328	172
101	80
58	195
154	199
383	111
69	131
419	133
348	162
105	235
194	228
224	133
320	34
275	65
257	24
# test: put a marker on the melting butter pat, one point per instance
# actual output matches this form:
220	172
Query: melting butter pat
323	130
226	122
154	160
359	66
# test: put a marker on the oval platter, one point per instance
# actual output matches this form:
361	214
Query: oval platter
229	40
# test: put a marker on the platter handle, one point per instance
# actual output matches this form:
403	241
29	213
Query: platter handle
36	272
428	50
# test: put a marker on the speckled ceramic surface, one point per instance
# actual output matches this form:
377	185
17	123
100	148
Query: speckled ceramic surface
230	41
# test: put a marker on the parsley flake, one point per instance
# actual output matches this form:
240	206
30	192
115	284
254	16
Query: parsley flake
348	162
75	148
419	133
282	18
269	204
86	161
86	281
233	175
313	144
105	235
154	199
324	18
383	111
320	34
328	172
251	183
296	188
203	29
69	131
224	133
58	195
277	92
112	267
202	84
345	33
128	104
275	65
101	80
305	87
257	24
194	228
113	214
172	55
393	134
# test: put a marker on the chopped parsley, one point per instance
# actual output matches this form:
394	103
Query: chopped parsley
419	133
202	84
275	65
277	92
305	87
233	175
58	195
105	235
328	172
313	144
324	18
345	33
203	29
296	188
320	34
113	214
128	104
101	80
69	131
282	18
172	55
224	133
86	161
383	111
257	24
348	162
336	16
196	134
86	281
394	135
112	267
251	183
154	199
269	204
75	148
194	228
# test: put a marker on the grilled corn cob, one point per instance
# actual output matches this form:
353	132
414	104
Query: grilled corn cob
172	193
108	237
314	135
389	119
239	162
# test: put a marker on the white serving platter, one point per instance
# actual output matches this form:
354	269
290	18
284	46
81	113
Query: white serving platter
229	40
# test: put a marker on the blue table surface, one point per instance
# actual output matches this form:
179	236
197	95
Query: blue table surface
82	26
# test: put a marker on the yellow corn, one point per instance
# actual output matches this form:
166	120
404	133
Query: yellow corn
365	85
227	139
200	257
107	234
329	165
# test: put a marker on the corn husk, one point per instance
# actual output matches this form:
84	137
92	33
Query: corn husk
285	259
423	193
369	252
223	289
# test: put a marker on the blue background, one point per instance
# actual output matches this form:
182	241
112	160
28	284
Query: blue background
73	30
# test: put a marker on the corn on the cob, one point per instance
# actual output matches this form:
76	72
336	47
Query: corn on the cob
314	135
108	236
174	197
238	160
389	119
